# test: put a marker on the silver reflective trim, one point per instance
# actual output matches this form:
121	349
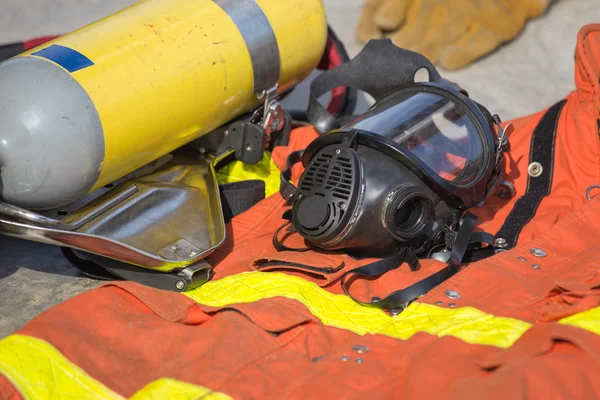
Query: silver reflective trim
260	39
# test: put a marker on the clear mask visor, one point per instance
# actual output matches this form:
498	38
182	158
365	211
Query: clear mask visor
433	128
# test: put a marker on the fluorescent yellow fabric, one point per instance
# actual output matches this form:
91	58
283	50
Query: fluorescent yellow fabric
266	170
468	324
176	390
588	320
39	371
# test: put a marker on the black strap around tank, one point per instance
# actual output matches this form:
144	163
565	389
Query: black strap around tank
459	254
543	143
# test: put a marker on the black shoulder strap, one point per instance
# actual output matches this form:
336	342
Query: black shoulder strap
400	298
238	197
543	142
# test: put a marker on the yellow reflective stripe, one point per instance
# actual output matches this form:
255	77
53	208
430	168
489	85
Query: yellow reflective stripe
588	320
176	390
266	170
468	324
39	371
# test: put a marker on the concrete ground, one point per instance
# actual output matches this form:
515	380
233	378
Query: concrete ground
531	73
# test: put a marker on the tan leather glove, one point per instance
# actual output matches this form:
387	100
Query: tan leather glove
451	33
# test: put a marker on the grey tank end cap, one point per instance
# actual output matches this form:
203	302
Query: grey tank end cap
51	137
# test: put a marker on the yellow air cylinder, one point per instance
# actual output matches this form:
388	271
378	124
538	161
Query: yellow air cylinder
90	107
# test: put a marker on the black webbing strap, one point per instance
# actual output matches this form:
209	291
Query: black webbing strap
88	267
476	251
543	143
238	197
400	298
286	188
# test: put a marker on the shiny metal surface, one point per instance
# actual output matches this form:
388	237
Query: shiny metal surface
588	192
500	243
535	169
394	312
260	39
163	221
43	221
537	252
21	214
361	349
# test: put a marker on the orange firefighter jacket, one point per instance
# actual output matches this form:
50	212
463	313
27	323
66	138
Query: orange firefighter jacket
271	324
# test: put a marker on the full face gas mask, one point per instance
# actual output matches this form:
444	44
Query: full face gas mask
401	177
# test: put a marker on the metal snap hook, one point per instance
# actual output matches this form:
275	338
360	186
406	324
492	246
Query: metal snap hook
589	191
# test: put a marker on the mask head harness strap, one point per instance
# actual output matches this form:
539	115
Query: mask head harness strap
466	248
379	70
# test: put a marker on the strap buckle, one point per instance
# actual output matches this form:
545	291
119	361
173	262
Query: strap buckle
503	143
273	116
268	125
